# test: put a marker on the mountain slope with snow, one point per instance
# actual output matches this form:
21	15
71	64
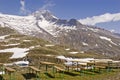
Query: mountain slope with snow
71	32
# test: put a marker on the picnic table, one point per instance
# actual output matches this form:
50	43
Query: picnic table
47	64
102	64
78	63
11	72
58	69
34	70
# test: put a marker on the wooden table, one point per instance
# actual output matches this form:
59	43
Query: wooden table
36	70
91	64
102	63
47	64
77	61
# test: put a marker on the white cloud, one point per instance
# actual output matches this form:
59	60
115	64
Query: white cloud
23	10
47	5
101	19
112	30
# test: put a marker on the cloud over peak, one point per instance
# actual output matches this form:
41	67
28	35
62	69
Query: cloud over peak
48	4
23	10
107	17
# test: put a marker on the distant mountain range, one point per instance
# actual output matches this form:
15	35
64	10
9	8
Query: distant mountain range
71	32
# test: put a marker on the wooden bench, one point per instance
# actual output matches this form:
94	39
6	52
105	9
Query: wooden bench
9	70
58	69
100	67
114	67
71	67
47	64
34	69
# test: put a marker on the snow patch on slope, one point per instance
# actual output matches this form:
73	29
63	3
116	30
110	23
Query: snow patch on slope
73	52
49	45
67	49
23	24
94	30
3	37
47	26
26	40
108	39
51	27
85	44
12	44
38	22
18	52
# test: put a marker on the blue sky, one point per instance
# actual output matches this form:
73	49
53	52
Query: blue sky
67	9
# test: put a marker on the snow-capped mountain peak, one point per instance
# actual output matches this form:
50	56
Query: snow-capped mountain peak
44	14
40	22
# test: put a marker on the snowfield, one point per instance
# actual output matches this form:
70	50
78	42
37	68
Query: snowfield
33	23
17	52
3	37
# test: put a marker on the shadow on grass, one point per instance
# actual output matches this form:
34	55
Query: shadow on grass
91	72
49	75
30	75
87	72
70	73
1	78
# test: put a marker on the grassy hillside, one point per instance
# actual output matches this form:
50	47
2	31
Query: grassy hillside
39	46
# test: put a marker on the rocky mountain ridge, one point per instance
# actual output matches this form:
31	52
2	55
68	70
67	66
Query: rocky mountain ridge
71	32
